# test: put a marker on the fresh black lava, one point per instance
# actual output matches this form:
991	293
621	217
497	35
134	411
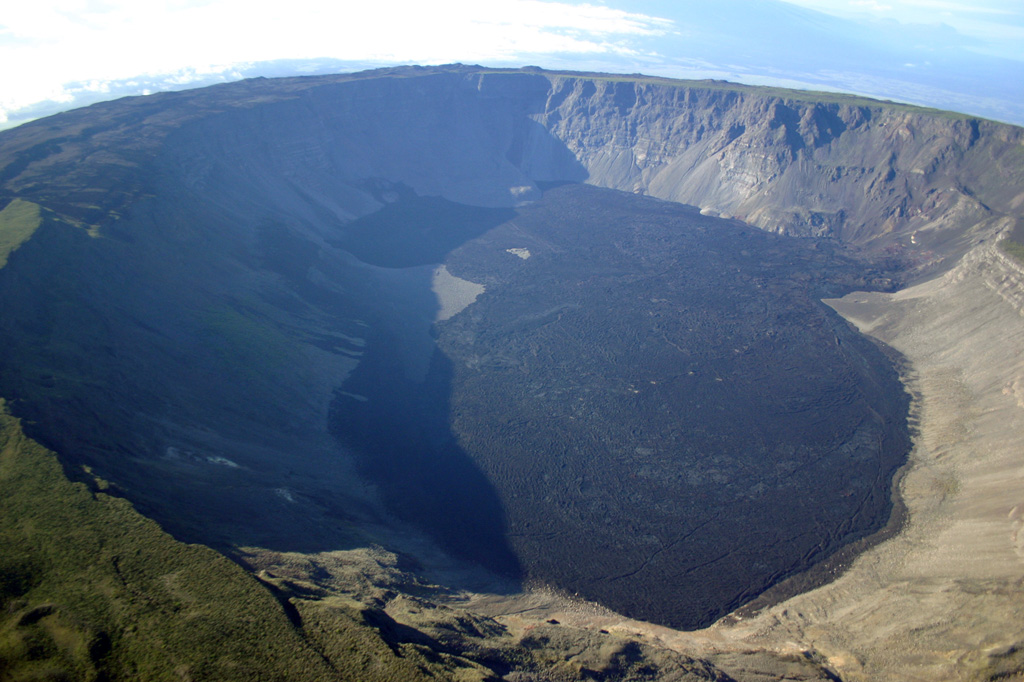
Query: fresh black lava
670	418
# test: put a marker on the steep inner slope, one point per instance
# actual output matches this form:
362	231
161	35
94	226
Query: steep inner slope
186	333
92	590
942	599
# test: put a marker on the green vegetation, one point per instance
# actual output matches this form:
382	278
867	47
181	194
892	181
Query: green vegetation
17	223
1012	248
91	590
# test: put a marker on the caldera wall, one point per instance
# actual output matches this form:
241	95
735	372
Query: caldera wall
201	234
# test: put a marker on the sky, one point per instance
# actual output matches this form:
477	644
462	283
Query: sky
997	25
945	53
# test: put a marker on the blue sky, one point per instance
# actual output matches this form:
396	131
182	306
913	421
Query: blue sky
997	26
944	53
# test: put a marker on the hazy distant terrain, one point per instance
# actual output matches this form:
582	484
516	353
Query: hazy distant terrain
924	61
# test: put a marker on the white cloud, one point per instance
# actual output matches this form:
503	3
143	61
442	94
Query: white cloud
998	25
57	42
71	50
966	8
871	5
917	10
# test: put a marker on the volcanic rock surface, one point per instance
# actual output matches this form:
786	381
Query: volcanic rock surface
225	303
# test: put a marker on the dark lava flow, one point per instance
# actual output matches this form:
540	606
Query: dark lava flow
653	410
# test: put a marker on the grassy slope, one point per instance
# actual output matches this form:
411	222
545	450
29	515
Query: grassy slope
1013	248
90	589
18	221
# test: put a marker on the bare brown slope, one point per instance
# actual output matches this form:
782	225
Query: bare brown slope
942	600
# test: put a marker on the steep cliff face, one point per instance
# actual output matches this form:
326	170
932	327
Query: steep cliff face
859	172
853	169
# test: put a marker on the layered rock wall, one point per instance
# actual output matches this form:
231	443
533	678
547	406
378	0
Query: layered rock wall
853	169
858	172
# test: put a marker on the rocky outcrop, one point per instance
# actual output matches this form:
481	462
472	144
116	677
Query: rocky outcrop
860	172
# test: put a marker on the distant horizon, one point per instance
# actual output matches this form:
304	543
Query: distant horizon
934	53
